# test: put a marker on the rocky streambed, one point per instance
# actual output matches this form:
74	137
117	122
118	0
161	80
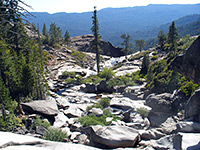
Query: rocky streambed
146	120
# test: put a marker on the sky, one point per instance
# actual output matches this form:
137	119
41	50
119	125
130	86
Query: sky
69	6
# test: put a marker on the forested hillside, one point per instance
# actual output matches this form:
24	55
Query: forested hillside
21	65
116	21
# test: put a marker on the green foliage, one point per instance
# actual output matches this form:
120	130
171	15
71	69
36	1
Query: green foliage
187	87
154	57
92	79
67	38
126	44
120	80
160	79
55	135
138	56
140	44
142	111
107	73
161	39
96	41
67	74
155	53
92	119
79	56
145	64
172	34
40	122
102	103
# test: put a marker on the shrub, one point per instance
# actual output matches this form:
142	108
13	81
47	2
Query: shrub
79	56
143	111
92	79
102	103
107	73
67	74
187	87
40	122
154	57
155	53
92	119
55	135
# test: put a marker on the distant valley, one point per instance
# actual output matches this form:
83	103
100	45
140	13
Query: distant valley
142	22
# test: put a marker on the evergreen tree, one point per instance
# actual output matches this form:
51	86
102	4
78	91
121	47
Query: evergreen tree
145	64
126	44
140	44
96	41
67	38
55	34
172	34
161	39
46	34
44	30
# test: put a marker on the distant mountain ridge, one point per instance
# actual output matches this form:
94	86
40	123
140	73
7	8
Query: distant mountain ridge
116	21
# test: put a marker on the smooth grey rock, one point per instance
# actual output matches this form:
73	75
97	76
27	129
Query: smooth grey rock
114	136
192	108
169	142
46	107
73	112
40	130
97	111
189	126
188	63
11	141
159	103
90	88
190	141
151	134
60	120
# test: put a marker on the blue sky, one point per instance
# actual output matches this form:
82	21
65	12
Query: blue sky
53	6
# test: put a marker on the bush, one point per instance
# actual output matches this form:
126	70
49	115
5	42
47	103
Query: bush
55	135
92	79
143	111
92	119
187	87
79	56
107	73
154	57
67	74
155	53
102	103
40	122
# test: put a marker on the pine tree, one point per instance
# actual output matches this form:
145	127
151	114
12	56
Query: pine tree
55	34
145	64
96	41
126	44
67	38
172	34
46	34
140	44
161	39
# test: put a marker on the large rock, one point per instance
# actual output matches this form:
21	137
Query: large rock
60	120
84	43
113	136
190	141
46	107
189	126
159	103
192	108
11	141
170	142
188	63
73	112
